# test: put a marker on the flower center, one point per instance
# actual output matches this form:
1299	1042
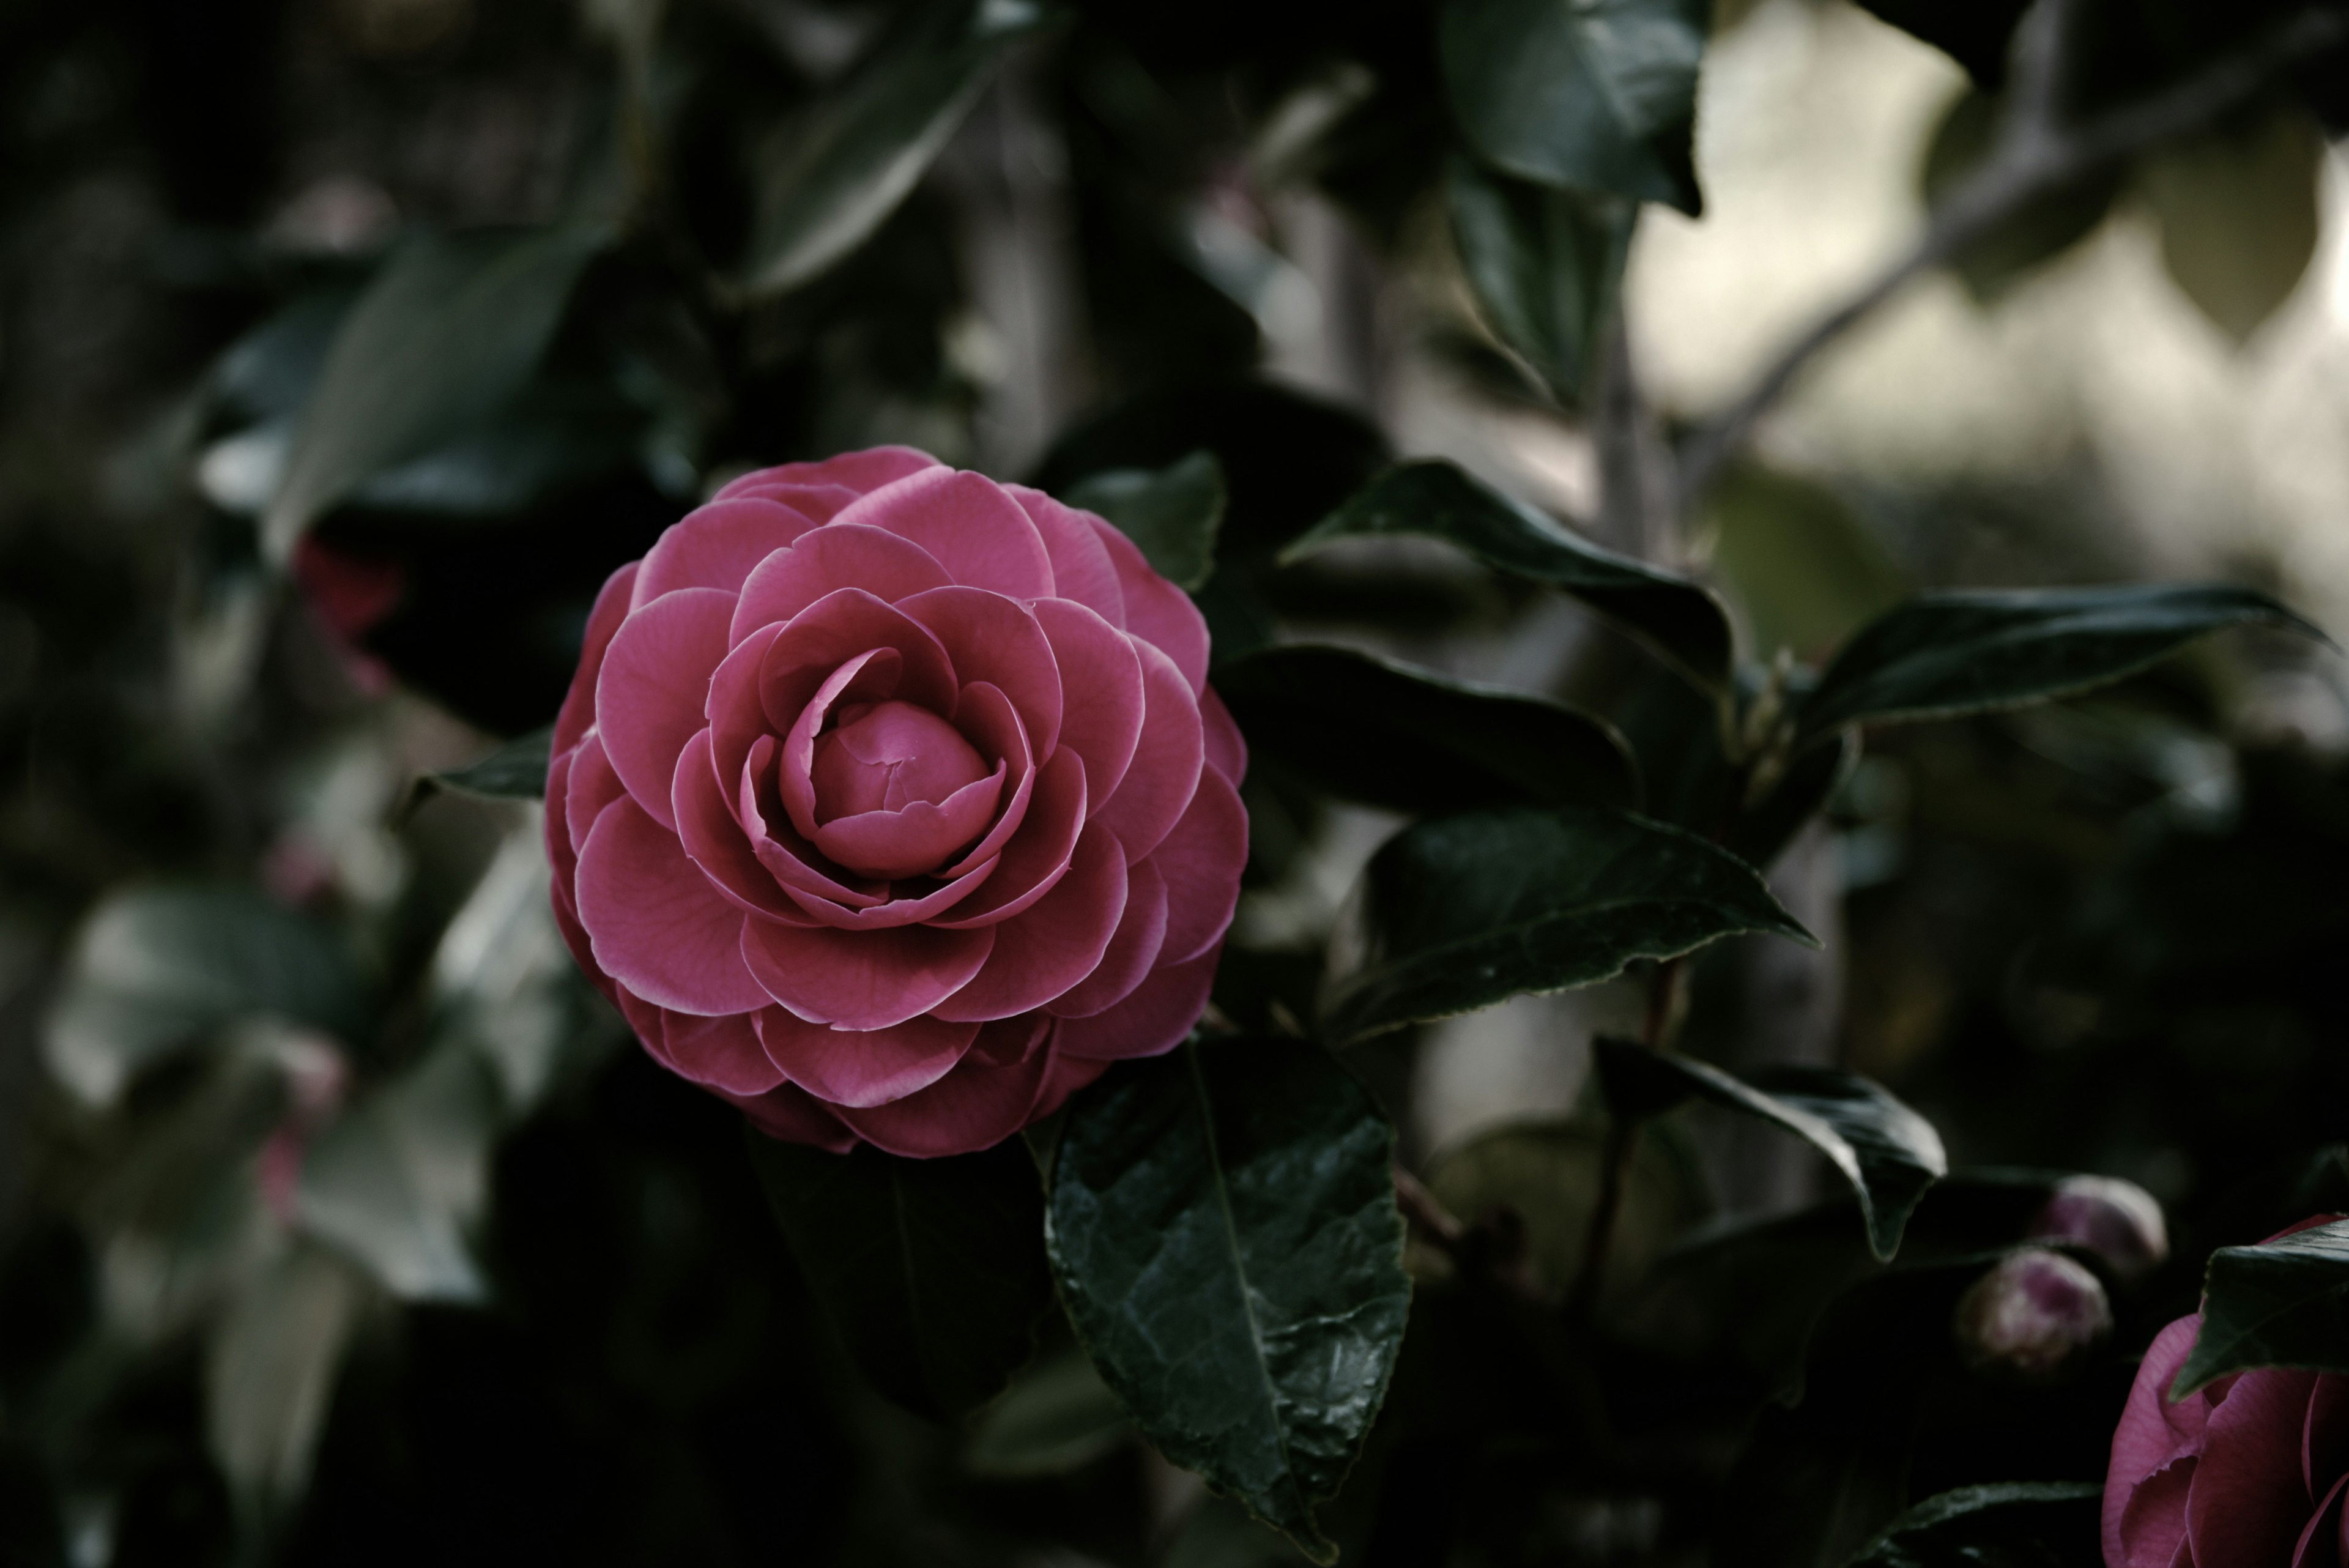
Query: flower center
884	756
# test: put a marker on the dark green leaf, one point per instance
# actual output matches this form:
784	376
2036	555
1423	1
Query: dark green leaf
155	967
1597	95
931	1270
1369	730
2034	233
449	329
2238	209
1459	912
515	771
2013	1524
2280	1303
1172	512
1547	267
1224	1229
1678	618
398	1182
1768	824
832	176
1057	1417
1889	1153
1946	654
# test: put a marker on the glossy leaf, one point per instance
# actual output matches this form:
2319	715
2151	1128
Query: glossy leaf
155	967
1370	730
1546	266
1224	1231
2012	1524
397	1183
1676	617
1459	912
448	331
833	176
931	1270
1172	512
1889	1153
2283	1303
515	771
1057	1417
1946	654
1596	96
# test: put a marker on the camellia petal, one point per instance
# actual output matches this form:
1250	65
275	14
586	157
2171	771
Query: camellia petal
1055	942
578	711
1202	860
862	979
1100	713
1133	952
1156	610
836	628
791	1115
653	922
588	787
1167	762
715	546
1153	1020
987	1098
2152	1431
714	840
965	520
869	1068
903	909
1226	751
723	1052
992	639
856	471
869	677
656	678
1081	571
984	716
883	564
1038	855
2247	1501
915	839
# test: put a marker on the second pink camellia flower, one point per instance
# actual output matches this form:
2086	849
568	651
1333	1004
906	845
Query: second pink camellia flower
891	804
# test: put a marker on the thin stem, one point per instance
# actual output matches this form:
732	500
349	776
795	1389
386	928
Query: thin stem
1615	1159
2035	155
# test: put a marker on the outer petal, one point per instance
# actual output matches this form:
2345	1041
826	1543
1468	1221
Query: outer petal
590	786
993	639
1152	1020
794	1116
2152	1431
1158	787
1102	699
836	628
1202	860
985	1099
977	531
1226	751
846	1067
1133	952
561	859
723	1052
843	555
862	979
2248	1502
655	682
714	840
655	922
1055	944
2325	1439
603	621
1065	1078
2319	1541
1080	563
1038	855
715	546
2151	1521
1156	609
856	471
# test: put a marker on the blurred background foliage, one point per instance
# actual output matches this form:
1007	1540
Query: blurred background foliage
344	348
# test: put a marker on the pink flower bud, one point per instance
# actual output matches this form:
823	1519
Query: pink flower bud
2031	1317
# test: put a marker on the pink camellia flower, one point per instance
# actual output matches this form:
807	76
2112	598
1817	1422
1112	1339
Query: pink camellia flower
891	804
2249	1472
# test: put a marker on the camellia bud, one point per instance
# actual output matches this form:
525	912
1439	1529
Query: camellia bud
2031	1317
2118	1220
